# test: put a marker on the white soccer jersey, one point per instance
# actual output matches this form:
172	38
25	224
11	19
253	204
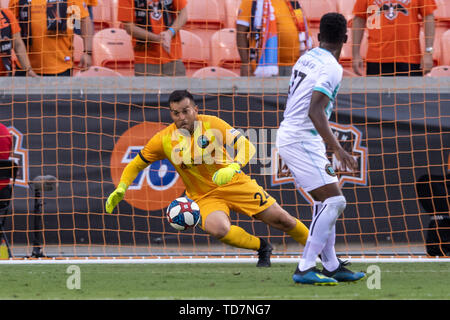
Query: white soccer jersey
317	70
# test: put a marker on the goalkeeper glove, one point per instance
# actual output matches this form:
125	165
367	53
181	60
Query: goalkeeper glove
224	175
115	197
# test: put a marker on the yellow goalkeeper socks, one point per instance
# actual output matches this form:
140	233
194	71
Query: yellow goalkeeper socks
238	237
299	233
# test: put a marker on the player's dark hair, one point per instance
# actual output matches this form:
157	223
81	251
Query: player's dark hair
178	95
333	28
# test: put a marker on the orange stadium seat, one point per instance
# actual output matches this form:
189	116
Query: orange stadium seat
213	72
205	18
194	52
231	12
103	14
96	71
224	51
78	48
445	48
345	7
112	48
442	13
203	14
315	9
439	71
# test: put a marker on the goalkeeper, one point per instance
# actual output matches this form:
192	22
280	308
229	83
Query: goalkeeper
199	148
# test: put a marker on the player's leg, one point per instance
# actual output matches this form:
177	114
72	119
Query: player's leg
279	218
311	170
322	235
245	196
328	206
218	224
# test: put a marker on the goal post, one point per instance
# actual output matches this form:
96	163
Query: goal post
83	131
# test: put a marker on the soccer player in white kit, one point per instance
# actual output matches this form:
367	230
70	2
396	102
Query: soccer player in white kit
301	141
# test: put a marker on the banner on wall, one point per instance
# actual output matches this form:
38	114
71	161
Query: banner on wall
86	142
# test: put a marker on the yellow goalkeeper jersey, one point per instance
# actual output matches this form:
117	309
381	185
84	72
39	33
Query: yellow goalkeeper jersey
196	157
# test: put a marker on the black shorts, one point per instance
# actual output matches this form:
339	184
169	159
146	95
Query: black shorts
5	198
438	236
393	69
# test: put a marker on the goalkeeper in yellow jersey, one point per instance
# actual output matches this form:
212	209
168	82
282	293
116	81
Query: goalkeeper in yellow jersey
199	147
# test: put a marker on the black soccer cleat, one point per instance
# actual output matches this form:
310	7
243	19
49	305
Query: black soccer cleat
264	253
342	274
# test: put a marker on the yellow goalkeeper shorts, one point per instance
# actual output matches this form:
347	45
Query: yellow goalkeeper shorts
241	195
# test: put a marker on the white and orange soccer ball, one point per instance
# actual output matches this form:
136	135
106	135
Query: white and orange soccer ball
183	213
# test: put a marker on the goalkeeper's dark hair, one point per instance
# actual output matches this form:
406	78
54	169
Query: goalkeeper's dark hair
178	95
333	28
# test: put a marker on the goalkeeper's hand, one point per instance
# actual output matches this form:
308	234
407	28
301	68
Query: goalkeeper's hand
224	175
115	197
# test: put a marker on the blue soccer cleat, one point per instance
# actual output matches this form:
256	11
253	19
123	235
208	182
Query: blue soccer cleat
313	276
342	274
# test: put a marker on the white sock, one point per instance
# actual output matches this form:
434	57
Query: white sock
303	265
328	254
322	225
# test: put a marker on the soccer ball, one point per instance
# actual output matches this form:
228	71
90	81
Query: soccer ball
183	213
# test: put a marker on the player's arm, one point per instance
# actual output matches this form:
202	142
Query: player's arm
245	150
149	154
132	170
128	175
317	114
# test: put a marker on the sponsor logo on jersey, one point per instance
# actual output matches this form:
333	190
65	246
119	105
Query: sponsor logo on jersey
350	139
154	9
157	185
391	9
203	141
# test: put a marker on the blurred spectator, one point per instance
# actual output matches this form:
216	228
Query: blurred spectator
90	4
394	31
47	28
12	40
433	191
287	39
154	26
6	143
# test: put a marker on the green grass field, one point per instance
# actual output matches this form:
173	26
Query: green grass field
216	281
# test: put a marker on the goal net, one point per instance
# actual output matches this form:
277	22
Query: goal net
73	137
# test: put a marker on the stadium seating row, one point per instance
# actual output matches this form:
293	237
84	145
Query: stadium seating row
113	49
219	14
209	38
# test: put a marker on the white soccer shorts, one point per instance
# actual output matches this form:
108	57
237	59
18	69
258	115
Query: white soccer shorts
308	164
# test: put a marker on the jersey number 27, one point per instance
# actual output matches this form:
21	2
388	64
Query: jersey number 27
298	78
